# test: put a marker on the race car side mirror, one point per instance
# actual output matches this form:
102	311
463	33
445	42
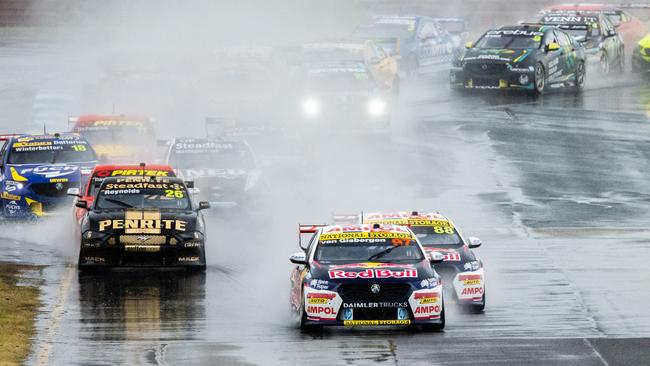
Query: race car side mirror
469	45
189	183
73	192
474	242
81	204
203	205
552	47
298	258
436	257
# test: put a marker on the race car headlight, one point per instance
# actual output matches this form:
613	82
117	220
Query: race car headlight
428	283
11	185
376	107
195	235
472	266
311	107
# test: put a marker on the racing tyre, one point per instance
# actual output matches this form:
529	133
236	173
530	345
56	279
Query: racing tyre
308	327
478	308
435	327
540	79
581	77
604	64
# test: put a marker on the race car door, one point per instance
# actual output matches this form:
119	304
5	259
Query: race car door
382	66
554	57
432	49
567	54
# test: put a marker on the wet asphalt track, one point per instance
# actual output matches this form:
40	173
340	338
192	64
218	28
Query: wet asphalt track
556	186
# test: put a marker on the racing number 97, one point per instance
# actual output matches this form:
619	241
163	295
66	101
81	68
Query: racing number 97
174	194
398	242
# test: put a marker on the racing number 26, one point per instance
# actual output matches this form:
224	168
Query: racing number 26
174	194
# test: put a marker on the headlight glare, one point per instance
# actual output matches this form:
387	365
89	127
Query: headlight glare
376	107
311	107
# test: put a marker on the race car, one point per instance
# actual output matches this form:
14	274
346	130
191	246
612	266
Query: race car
461	271
37	170
604	47
525	57
101	172
345	83
631	28
422	44
641	56
118	139
456	27
142	221
365	275
225	171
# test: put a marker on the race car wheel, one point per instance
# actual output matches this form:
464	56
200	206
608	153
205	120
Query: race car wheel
581	77
478	308
540	78
604	64
303	322
435	327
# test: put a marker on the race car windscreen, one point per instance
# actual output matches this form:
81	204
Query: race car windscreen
367	246
203	155
453	26
347	78
386	30
117	135
99	176
142	194
50	152
509	40
332	52
437	235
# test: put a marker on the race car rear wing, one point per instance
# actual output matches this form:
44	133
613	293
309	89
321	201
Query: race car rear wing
7	137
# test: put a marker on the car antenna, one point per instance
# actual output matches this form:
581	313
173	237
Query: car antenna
362	216
44	129
142	165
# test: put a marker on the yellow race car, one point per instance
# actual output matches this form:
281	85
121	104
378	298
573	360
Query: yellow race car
641	55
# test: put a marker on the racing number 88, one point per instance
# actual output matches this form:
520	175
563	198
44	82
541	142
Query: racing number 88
174	194
443	230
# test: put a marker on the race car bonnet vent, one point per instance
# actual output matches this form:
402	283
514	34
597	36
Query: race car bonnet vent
376	226
414	213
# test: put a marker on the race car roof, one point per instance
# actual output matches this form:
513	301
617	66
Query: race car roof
396	19
582	6
570	18
364	228
402	217
139	178
49	137
91	120
132	167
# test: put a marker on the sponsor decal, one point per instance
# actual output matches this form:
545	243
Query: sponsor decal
427	309
188	259
371	305
319	284
468	280
131	172
59	180
371	265
192	244
51	171
449	255
9	196
314	309
363	235
472	291
319	297
376	273
358	228
95	259
142	248
376	322
142	222
426	297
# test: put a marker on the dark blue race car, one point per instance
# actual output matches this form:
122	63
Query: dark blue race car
37	171
424	46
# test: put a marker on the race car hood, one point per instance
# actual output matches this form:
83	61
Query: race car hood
225	174
47	173
496	55
371	271
134	221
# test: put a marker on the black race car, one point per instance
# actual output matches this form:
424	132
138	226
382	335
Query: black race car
366	275
142	221
225	171
520	57
603	45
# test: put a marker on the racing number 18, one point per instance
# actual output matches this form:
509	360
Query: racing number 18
79	147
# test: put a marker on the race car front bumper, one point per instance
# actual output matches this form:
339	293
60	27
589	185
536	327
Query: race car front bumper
330	309
470	287
106	252
508	78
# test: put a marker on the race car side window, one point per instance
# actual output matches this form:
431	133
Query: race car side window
428	30
549	38
2	152
565	42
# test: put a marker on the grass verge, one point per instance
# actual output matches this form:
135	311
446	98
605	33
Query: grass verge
19	305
